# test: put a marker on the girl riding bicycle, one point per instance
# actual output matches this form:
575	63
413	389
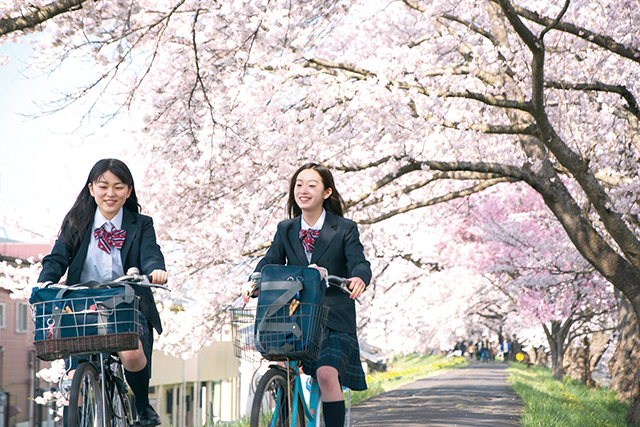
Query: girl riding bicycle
101	237
316	234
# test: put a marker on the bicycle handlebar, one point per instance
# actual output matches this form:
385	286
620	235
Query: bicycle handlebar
337	281
133	276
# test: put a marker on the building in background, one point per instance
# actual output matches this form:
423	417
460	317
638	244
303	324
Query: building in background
18	364
196	391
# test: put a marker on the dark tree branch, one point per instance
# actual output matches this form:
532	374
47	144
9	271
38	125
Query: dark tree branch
441	199
555	22
360	73
604	42
41	14
632	104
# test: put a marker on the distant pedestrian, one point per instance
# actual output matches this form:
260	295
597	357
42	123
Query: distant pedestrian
505	347
484	350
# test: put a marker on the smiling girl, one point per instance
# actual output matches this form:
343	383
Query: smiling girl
317	235
101	237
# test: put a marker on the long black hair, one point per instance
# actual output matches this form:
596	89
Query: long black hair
333	203
80	217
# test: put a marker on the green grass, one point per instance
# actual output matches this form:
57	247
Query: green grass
404	370
549	403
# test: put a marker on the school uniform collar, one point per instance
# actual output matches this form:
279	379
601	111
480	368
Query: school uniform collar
99	220
317	226
125	220
327	234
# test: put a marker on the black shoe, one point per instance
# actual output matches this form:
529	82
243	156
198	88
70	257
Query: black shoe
148	417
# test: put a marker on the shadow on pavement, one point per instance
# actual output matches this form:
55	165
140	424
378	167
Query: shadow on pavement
475	396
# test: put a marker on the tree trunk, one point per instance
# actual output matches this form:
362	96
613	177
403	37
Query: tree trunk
557	365
556	334
624	366
633	414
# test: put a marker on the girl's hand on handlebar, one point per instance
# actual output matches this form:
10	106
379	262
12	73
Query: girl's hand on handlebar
159	277
322	270
356	287
249	289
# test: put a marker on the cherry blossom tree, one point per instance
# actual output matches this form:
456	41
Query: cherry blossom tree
520	248
412	103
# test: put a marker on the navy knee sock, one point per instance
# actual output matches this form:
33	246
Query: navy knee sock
139	383
333	413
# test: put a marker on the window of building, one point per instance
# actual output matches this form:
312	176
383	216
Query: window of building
22	317
3	315
169	404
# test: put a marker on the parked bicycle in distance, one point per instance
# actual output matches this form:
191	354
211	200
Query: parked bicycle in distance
89	323
297	328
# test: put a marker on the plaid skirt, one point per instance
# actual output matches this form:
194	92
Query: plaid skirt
341	351
146	337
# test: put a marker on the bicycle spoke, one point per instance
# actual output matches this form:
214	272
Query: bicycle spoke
85	403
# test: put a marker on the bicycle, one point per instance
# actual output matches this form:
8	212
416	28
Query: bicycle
91	328
279	399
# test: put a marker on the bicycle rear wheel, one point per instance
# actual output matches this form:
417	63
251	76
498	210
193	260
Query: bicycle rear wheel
271	402
85	398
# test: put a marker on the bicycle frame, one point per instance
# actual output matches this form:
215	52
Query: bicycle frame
289	394
103	387
107	375
311	409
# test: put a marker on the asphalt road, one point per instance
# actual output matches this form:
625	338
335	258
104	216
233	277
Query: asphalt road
474	396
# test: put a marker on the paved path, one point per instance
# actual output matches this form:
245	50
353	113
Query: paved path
475	396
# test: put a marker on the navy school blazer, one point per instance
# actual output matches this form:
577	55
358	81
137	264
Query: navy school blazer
338	249
140	250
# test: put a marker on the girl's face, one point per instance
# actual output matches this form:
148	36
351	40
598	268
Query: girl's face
309	191
110	194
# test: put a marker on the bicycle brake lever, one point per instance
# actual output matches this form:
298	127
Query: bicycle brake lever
344	285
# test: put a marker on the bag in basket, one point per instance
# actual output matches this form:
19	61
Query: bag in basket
290	317
76	311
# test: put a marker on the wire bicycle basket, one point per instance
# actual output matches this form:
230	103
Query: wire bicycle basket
290	333
107	321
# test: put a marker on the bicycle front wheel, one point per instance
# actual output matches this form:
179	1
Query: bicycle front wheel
271	406
85	398
120	406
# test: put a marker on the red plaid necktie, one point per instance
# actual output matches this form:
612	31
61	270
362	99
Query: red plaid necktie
309	238
109	239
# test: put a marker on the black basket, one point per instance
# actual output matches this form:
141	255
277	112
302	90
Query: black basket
77	326
243	334
290	334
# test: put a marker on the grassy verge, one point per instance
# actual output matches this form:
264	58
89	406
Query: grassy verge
550	403
404	370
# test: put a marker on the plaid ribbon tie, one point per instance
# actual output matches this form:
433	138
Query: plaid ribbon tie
309	238
109	239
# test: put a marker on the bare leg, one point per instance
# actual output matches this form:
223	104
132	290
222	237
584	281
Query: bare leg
133	360
333	400
329	383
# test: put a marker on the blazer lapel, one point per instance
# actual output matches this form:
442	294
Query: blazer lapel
294	238
75	269
327	234
129	224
